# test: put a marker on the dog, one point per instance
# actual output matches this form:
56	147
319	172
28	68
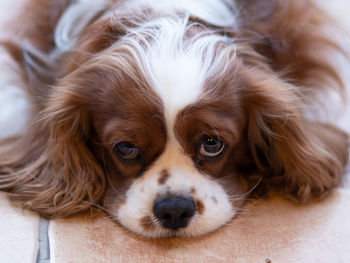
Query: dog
169	114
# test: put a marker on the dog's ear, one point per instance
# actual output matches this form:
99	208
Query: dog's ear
298	39
52	169
98	36
295	156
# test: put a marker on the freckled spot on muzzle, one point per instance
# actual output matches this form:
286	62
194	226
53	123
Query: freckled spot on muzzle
192	191
147	223
164	176
200	207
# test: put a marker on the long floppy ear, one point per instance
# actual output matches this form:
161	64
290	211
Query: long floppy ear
298	39
51	169
295	156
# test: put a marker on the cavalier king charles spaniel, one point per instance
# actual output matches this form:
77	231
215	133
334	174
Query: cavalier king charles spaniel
168	114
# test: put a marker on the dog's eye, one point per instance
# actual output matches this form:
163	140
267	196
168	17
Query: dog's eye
211	146
126	150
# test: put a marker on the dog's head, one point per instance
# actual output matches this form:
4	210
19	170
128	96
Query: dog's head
164	102
171	123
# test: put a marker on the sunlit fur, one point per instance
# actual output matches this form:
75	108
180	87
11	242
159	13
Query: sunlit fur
161	75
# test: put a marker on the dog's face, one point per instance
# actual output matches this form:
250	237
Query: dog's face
168	179
169	116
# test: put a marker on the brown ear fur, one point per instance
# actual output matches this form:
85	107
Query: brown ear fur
51	170
295	156
97	37
295	36
38	19
30	43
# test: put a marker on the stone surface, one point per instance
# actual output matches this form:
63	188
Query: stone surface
274	228
18	233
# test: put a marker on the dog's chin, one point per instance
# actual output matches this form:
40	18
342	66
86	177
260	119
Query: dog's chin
193	230
179	233
195	227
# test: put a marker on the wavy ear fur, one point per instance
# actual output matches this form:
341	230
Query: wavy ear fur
297	39
51	169
294	155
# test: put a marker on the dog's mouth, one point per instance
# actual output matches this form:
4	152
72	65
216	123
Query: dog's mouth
193	229
181	225
160	213
163	232
151	227
177	233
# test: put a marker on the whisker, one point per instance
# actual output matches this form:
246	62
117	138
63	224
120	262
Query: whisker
101	207
108	178
243	196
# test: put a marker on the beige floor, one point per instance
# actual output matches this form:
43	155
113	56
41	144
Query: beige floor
19	232
274	228
317	232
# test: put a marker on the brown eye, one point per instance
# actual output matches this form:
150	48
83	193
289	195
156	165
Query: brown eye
211	146
126	151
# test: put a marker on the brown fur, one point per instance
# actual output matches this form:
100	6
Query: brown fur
61	166
164	176
292	36
200	207
147	223
38	21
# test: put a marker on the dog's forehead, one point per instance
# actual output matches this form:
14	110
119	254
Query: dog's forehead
178	65
160	69
178	84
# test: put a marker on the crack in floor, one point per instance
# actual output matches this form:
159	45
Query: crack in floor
43	255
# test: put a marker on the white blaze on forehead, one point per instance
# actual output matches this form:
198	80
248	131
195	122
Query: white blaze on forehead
179	82
178	65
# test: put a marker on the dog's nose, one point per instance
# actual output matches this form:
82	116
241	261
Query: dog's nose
174	213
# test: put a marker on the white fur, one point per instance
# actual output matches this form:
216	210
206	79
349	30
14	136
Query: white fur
15	110
74	20
177	67
215	12
81	12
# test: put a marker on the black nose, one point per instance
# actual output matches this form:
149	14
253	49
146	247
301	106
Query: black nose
174	213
